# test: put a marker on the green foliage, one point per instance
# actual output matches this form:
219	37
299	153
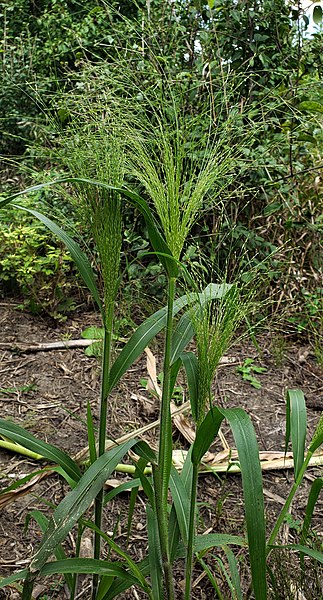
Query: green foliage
248	371
34	265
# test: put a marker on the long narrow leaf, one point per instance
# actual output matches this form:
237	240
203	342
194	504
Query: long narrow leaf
233	566
311	503
88	565
181	502
12	578
155	561
42	521
316	554
296	426
120	585
248	452
206	434
211	540
135	570
139	340
190	363
51	453
76	502
317	439
155	236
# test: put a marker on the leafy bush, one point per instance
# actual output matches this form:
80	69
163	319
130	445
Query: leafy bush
35	265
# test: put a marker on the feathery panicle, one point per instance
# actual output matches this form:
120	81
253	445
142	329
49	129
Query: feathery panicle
215	326
180	173
96	151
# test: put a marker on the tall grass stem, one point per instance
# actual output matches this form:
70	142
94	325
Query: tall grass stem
106	357
191	533
162	472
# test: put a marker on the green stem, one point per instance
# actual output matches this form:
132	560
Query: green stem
288	502
191	534
162	471
106	357
80	529
28	586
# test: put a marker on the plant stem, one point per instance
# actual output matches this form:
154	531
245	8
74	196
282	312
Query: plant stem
108	326
28	586
162	471
288	501
191	532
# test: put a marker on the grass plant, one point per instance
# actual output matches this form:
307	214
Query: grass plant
169	174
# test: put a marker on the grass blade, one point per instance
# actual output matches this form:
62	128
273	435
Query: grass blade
12	578
155	237
135	570
181	502
205	434
76	502
311	503
90	433
246	443
190	363
317	438
235	578
42	521
296	427
51	453
140	339
316	554
155	560
87	565
184	330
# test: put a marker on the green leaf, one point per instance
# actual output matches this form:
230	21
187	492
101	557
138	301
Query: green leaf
142	449
181	502
235	579
135	570
311	503
88	565
120	585
190	363
80	259
184	330
76	503
182	335
140	339
154	554
93	333
296	427
206	434
24	438
212	540
318	16
270	209
246	444
12	578
90	433
42	521
311	106
123	487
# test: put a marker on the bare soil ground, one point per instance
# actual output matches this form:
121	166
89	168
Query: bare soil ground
46	392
